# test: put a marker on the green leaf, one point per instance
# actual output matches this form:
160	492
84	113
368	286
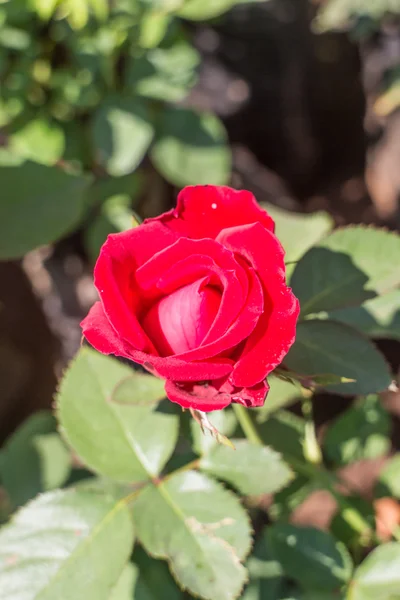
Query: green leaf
100	9
40	140
34	459
342	529
284	432
298	232
105	188
223	420
191	148
145	579
45	8
251	469
311	557
30	190
153	28
66	544
266	577
325	280
334	348
282	393
200	528
338	14
139	389
347	268
378	577
164	73
78	13
155	577
389	479
127	442
377	318
16	39
122	133
373	251
202	10
361	432
126	586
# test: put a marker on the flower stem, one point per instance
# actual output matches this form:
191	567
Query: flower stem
246	423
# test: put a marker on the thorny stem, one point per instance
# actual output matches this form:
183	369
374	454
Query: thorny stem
311	470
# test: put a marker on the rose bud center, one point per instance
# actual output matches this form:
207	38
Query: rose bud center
180	321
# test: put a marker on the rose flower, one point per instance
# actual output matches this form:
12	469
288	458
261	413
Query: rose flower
198	297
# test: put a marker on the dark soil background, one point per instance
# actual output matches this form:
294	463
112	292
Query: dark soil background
298	110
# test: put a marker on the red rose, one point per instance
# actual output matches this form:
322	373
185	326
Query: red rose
198	297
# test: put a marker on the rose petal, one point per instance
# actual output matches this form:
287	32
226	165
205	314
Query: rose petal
204	257
214	395
119	257
99	332
179	321
201	397
275	331
240	329
204	210
242	297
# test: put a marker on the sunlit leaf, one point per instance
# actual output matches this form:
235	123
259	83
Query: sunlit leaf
40	140
121	440
122	132
378	576
66	544
346	268
298	232
250	468
191	148
200	528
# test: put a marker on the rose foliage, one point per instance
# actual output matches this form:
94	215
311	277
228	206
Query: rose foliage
121	495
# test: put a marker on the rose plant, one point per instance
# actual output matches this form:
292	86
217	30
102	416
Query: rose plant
122	495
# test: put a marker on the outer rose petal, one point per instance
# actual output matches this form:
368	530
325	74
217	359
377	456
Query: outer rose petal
99	332
215	395
276	330
204	210
119	257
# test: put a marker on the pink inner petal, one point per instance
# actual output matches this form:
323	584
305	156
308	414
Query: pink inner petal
179	322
